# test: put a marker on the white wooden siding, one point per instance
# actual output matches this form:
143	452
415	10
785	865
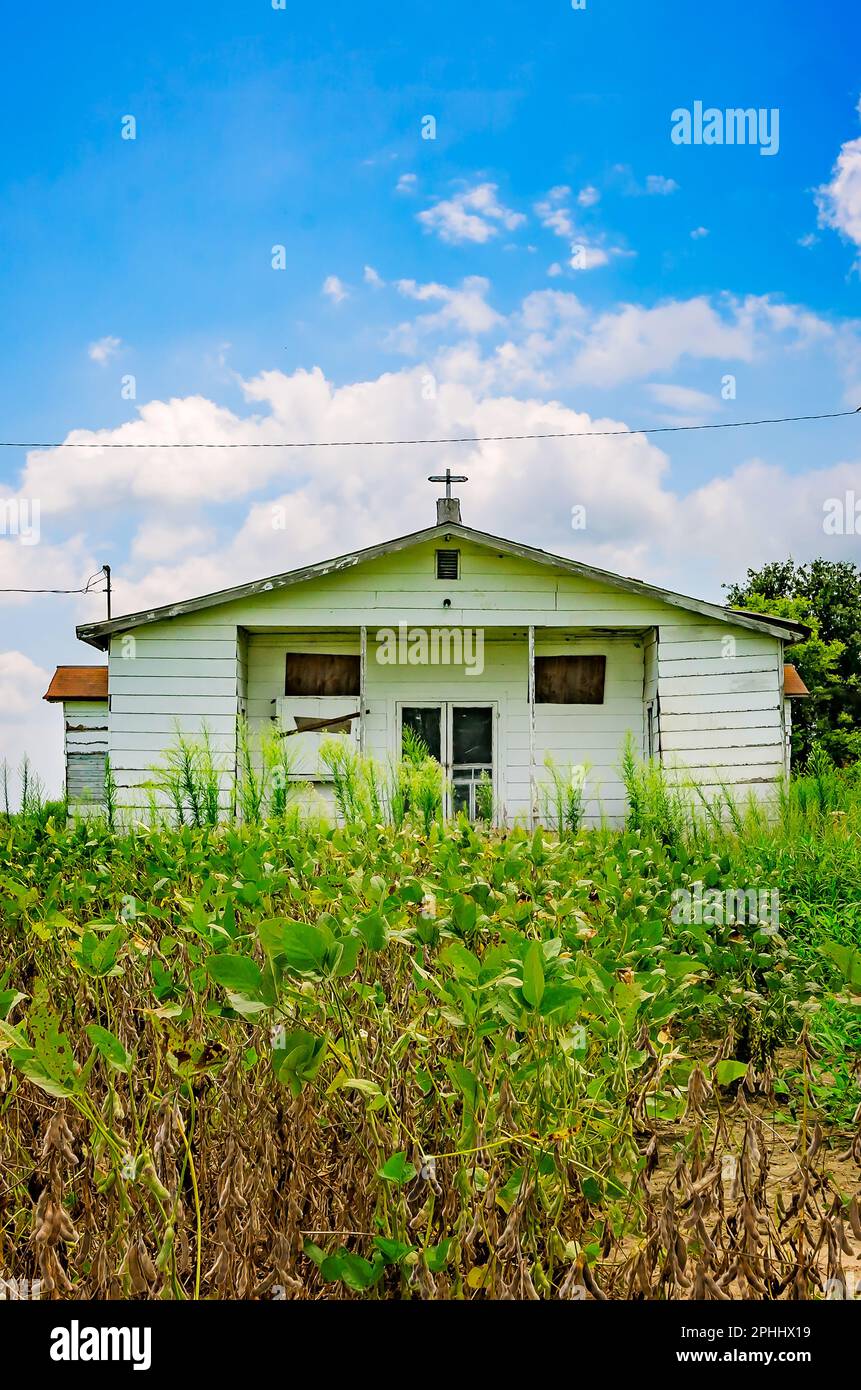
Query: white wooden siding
720	693
177	676
718	706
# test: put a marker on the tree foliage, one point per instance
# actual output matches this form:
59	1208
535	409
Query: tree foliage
826	596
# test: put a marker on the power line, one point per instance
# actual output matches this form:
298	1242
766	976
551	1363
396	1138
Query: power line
454	439
86	590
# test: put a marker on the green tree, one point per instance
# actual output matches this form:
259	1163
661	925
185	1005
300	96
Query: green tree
826	596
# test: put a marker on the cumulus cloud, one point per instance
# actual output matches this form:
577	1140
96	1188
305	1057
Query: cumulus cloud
406	183
633	341
27	727
588	196
698	233
465	308
658	186
687	406
104	349
334	289
637	521
586	253
586	256
552	212
839	201
373	278
159	540
474	215
655	185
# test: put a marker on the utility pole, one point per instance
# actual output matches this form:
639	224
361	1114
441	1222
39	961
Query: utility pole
107	573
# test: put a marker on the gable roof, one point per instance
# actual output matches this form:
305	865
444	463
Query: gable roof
78	683
99	634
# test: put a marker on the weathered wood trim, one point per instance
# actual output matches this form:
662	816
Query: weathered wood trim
98	634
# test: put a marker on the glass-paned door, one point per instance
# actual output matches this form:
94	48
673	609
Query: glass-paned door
426	722
471	756
460	737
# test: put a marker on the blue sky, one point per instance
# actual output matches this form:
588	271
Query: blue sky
430	286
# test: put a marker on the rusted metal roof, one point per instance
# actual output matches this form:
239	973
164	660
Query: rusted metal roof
78	683
793	685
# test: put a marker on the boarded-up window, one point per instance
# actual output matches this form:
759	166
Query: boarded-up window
570	680
321	673
85	777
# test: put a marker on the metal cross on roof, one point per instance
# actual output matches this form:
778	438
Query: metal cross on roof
448	478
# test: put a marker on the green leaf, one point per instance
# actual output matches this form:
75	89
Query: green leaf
38	1073
533	974
728	1071
109	1046
392	1251
13	1037
464	912
461	960
397	1169
239	974
297	1059
8	999
354	1271
348	957
848	961
97	957
437	1255
373	929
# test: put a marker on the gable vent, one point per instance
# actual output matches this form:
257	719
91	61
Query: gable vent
448	564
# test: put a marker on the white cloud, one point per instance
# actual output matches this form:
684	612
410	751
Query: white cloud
638	522
21	680
28	727
557	219
46	565
809	240
104	349
465	308
371	277
632	341
586	253
839	201
159	540
586	257
475	215
551	343
656	184
688	406
334	289
698	233
588	196
406	183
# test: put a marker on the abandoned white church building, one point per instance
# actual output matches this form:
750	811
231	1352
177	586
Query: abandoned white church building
499	654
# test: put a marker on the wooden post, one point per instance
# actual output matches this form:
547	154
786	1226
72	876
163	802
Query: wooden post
363	663
531	728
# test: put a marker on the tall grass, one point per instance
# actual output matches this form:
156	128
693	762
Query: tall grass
364	793
563	796
656	805
190	780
